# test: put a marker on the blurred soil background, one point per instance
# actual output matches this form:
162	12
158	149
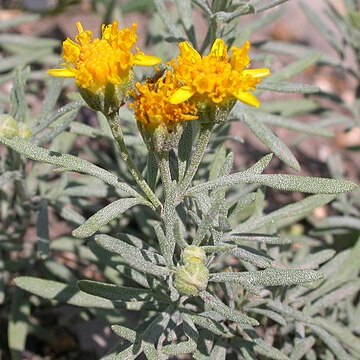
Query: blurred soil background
88	340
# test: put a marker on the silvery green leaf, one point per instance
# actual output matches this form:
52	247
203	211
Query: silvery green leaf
257	23
122	352
270	314
217	163
226	17
184	347
92	190
262	132
18	99
59	271
285	182
230	314
152	333
126	333
218	248
279	121
208	323
53	90
268	277
262	348
331	222
345	271
63	293
169	218
87	130
342	333
324	30
332	298
113	292
313	261
286	215
260	5
151	171
166	18
252	256
267	239
61	126
185	9
167	247
141	260
285	87
292	108
66	161
289	71
302	347
289	311
330	341
185	148
298	51
57	115
68	213
105	215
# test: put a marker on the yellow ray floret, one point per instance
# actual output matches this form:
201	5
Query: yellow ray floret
216	78
94	63
152	107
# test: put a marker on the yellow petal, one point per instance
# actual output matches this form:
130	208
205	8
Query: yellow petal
182	94
62	73
257	73
187	50
146	60
79	27
247	98
219	49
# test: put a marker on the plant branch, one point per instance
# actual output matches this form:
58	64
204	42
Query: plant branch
114	122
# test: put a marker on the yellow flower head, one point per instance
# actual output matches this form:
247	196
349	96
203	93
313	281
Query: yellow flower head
216	78
95	63
152	106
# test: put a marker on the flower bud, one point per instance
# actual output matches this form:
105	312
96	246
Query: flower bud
193	254
9	127
191	279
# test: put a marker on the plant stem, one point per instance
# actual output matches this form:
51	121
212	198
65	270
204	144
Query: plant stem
163	163
203	141
115	127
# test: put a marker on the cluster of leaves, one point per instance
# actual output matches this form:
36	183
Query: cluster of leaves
250	308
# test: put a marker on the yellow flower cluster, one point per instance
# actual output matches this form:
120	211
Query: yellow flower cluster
216	78
192	82
94	63
152	106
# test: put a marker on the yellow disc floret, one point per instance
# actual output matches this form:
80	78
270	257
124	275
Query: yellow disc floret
95	63
153	108
216	78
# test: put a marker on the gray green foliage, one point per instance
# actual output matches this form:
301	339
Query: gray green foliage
264	272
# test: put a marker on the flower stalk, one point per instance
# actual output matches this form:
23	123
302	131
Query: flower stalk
114	123
203	141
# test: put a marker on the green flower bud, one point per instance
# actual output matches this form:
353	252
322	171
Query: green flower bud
24	131
109	99
191	279
9	127
193	254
